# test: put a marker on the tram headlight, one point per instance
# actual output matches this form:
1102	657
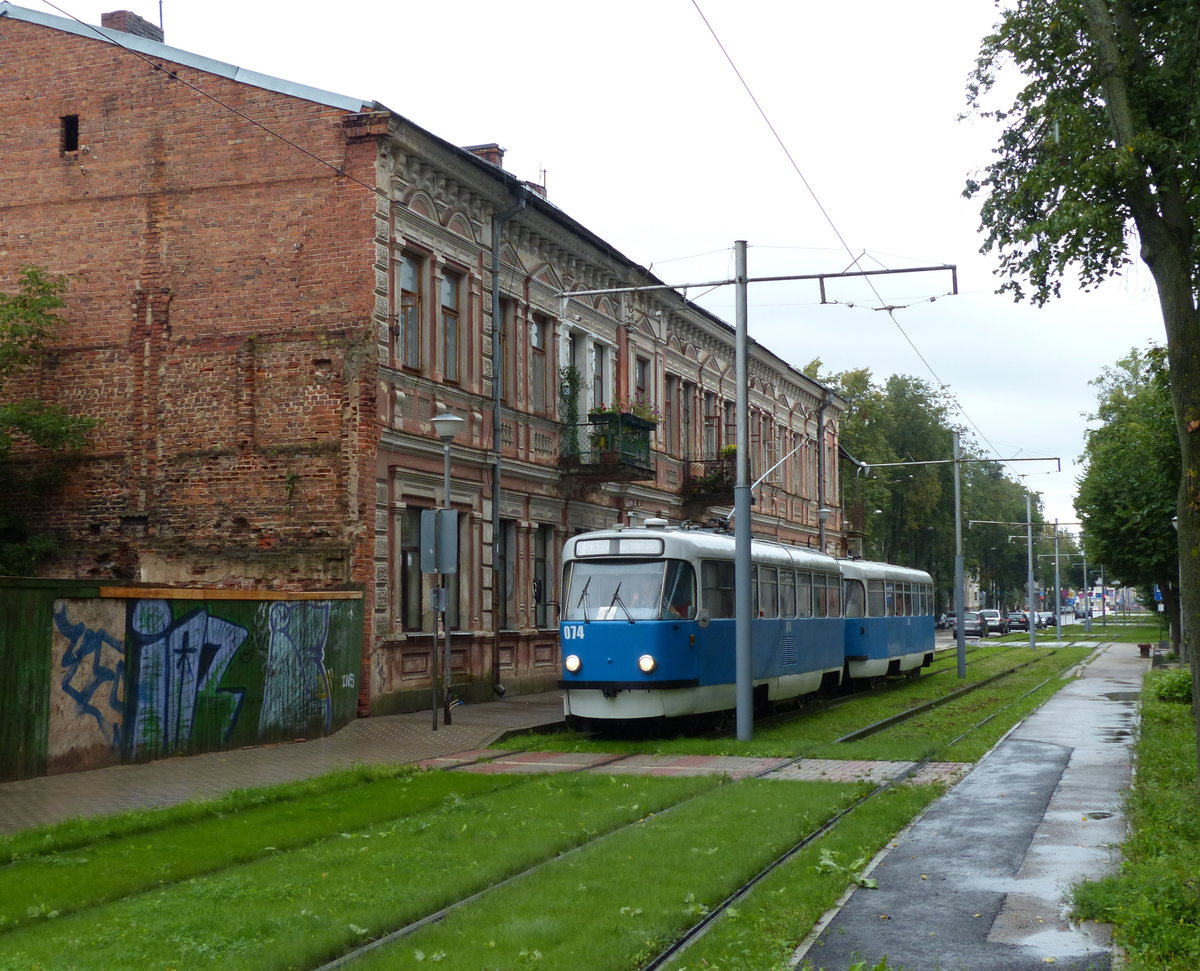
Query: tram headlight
647	664
572	663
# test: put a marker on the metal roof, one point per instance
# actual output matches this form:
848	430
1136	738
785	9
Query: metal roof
150	48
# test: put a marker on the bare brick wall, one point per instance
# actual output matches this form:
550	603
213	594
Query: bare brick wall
220	301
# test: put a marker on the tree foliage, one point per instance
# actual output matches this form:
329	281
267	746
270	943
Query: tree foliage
1127	494
28	320
1100	152
903	430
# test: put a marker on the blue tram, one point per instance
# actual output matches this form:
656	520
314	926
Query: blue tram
647	622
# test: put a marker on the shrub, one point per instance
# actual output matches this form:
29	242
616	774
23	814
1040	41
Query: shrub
1174	686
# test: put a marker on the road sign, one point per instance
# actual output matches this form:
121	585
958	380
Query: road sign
439	541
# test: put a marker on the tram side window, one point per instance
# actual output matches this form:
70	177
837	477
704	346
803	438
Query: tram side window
804	595
787	593
901	599
679	591
768	591
717	581
833	594
876	602
854	598
889	594
820	599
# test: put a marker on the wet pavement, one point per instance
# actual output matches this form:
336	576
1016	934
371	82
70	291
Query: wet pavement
982	879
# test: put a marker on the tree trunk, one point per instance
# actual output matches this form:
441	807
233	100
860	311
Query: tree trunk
1157	202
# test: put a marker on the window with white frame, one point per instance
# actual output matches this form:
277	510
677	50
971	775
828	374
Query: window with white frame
539	341
408	351
599	361
451	296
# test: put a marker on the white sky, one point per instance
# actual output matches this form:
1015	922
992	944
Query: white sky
648	138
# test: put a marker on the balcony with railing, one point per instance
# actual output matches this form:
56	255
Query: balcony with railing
608	446
708	482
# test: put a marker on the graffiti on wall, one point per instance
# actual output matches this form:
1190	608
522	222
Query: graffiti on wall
144	678
296	689
181	662
87	697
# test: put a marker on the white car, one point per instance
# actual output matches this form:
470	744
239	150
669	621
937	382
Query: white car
997	622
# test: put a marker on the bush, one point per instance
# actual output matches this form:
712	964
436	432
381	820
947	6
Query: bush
1173	685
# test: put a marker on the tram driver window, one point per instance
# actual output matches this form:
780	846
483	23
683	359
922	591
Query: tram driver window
679	591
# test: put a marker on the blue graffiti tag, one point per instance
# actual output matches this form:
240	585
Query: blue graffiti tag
179	660
83	683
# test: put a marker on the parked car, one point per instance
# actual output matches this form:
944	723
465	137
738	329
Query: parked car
1018	620
1046	617
974	625
996	621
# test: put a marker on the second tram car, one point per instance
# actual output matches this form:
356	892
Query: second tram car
647	622
889	619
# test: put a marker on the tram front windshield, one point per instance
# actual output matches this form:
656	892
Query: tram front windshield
629	590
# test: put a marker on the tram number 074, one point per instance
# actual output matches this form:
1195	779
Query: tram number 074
572	632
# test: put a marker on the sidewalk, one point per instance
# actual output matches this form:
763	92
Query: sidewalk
382	739
981	879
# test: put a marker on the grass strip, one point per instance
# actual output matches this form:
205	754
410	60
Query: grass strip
73	833
57	884
762	931
813	736
299	908
616	904
1153	901
930	733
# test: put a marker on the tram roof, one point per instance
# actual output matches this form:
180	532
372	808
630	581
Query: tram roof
692	543
871	570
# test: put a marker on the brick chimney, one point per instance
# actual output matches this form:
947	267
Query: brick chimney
489	153
131	23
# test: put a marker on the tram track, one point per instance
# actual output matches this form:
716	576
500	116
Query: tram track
697	930
701	927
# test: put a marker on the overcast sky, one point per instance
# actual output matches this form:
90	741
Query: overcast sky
641	129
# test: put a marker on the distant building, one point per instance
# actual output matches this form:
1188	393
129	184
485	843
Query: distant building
272	291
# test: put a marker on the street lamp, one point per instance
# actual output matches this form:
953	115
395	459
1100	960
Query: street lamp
446	426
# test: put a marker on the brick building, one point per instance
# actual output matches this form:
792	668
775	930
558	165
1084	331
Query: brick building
272	289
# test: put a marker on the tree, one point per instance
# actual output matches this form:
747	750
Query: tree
906	503
1127	495
28	319
1104	137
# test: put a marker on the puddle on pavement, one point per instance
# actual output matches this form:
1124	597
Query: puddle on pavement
1122	695
1097	815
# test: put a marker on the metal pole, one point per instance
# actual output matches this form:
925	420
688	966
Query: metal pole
1057	589
444	601
741	507
1103	599
1087	598
1029	543
959	593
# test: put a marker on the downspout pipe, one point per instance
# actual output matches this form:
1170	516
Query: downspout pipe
498	222
822	511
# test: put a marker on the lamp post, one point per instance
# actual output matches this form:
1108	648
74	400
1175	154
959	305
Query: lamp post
447	426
